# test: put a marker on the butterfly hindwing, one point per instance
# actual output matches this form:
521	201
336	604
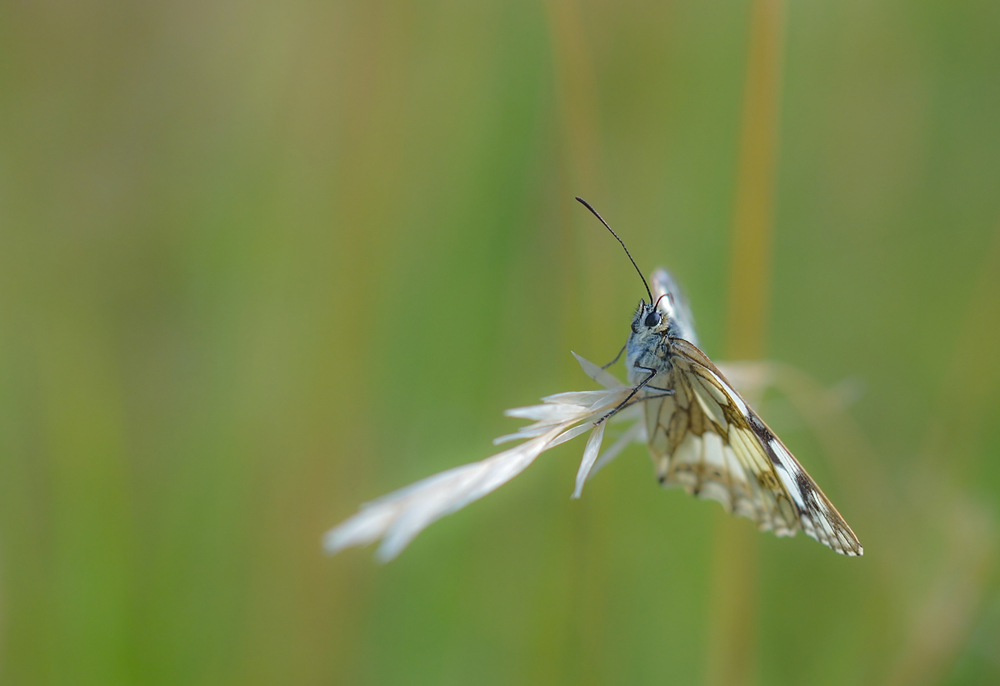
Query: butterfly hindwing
705	439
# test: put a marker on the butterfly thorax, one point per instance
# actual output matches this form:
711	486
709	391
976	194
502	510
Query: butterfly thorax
648	346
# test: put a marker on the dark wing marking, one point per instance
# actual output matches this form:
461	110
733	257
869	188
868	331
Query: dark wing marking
706	440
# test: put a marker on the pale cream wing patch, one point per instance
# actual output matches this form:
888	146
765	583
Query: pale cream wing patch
697	450
705	439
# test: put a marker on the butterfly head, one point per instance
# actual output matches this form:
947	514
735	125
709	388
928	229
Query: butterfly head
651	319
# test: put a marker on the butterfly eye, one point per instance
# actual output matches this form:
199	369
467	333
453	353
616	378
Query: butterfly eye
652	319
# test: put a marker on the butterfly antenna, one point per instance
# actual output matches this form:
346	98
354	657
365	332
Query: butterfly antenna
587	205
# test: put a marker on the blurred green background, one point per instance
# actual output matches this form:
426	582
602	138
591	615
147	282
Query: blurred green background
261	262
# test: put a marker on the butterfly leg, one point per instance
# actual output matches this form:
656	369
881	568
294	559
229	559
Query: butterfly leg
642	384
617	357
665	391
636	401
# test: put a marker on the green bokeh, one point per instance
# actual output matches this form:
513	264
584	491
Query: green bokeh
261	262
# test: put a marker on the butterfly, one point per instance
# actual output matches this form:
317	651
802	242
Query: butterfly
702	435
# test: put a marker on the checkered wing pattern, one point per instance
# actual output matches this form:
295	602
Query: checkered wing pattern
705	439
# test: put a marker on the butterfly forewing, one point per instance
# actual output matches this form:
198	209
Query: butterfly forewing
705	439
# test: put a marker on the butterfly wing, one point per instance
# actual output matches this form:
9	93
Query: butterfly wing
675	305
705	439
